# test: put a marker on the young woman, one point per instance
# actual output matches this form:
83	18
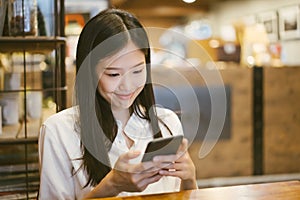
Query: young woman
94	149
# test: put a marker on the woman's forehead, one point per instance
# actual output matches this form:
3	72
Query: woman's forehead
130	53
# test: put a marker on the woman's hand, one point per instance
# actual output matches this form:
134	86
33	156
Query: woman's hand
133	177
179	165
126	177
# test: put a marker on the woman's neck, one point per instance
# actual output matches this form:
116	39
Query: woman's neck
122	115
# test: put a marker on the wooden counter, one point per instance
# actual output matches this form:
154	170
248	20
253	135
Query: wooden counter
268	191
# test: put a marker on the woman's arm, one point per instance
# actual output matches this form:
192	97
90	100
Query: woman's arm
56	180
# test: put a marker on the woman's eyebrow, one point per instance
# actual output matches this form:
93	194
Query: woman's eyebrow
119	68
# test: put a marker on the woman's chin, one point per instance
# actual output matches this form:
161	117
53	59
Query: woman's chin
122	105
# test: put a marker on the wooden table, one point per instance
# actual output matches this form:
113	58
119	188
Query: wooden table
289	190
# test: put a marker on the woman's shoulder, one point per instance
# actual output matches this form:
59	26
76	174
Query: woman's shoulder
60	131
61	127
63	121
61	116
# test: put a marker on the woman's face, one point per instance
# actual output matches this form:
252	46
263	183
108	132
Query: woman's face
122	77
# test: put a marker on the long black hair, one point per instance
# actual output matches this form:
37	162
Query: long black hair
97	32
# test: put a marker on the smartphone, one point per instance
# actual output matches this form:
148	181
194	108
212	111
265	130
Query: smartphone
162	146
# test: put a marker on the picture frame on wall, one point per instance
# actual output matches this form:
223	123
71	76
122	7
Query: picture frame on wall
270	21
289	22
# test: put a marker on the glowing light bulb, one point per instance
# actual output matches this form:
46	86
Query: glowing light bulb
189	1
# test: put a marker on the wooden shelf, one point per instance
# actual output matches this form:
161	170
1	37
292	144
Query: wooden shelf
17	131
10	141
30	44
36	90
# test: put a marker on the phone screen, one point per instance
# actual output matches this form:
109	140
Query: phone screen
162	146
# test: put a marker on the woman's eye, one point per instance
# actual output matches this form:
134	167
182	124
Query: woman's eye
138	71
113	74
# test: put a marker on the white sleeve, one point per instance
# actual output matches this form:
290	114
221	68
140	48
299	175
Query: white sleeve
56	179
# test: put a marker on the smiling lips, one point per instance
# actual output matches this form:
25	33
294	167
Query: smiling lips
124	96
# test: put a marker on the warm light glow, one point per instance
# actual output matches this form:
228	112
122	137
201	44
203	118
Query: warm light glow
214	43
189	1
250	60
43	66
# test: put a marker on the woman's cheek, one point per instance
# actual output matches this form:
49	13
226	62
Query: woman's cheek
106	85
141	80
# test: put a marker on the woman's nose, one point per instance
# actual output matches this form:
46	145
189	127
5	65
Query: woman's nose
125	82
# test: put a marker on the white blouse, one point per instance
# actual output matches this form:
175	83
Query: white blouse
60	148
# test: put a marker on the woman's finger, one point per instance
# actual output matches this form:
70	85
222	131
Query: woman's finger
129	155
183	147
144	167
165	159
145	182
139	177
174	173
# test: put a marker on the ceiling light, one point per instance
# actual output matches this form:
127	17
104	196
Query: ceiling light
189	1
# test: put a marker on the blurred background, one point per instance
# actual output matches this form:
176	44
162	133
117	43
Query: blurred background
252	44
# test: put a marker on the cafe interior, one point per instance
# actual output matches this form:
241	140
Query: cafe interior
227	68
